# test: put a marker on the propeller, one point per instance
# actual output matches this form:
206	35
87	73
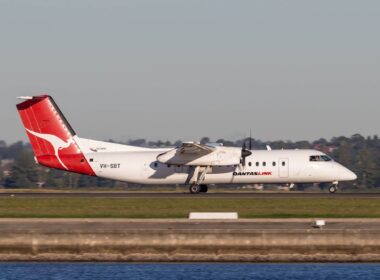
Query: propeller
250	139
245	152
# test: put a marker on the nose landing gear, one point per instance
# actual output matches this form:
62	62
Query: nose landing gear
334	187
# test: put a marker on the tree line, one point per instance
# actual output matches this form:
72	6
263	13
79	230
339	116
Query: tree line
360	154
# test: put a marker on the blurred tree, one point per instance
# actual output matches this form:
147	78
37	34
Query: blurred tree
137	142
205	140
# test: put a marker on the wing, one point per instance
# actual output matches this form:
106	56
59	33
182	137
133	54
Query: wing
186	153
194	148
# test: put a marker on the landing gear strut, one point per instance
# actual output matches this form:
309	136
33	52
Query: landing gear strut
333	188
198	175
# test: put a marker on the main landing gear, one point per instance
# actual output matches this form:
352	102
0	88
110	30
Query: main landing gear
198	188
334	187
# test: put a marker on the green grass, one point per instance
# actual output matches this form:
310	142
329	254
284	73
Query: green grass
14	207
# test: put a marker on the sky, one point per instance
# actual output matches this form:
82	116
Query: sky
174	69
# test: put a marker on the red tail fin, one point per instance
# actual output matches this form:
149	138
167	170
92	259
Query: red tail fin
51	136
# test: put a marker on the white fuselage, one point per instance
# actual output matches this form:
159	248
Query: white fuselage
56	145
140	165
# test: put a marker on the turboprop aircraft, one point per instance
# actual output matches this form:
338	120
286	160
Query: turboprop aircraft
56	145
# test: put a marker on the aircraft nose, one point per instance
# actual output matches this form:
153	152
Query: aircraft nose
347	175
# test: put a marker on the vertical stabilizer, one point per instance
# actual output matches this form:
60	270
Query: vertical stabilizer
52	138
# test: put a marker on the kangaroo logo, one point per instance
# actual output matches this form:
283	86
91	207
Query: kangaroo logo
56	142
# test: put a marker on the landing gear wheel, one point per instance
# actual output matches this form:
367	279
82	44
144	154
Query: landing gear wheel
333	188
195	189
204	188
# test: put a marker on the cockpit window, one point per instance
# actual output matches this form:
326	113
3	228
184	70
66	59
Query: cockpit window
326	158
320	158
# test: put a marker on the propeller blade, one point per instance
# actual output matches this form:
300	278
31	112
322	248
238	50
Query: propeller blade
250	139
244	152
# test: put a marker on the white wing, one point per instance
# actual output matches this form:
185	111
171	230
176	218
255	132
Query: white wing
194	148
189	153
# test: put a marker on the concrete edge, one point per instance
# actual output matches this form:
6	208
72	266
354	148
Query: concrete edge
185	220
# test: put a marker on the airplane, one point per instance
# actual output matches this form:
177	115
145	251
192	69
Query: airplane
56	145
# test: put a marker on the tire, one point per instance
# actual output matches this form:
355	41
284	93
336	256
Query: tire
194	189
204	188
332	189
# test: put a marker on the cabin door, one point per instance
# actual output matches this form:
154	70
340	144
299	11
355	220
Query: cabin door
283	167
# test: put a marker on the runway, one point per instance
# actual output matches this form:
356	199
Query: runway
46	225
258	195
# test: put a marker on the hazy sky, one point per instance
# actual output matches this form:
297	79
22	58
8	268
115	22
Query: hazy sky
186	69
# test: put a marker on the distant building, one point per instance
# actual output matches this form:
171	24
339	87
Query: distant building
7	173
6	167
283	188
3	144
257	187
325	148
7	162
40	184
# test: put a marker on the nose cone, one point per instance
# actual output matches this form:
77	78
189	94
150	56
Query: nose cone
347	175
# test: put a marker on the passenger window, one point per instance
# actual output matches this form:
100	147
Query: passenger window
250	163
274	163
155	164
257	163
283	163
264	163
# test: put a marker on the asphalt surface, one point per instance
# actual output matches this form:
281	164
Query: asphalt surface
257	195
121	225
